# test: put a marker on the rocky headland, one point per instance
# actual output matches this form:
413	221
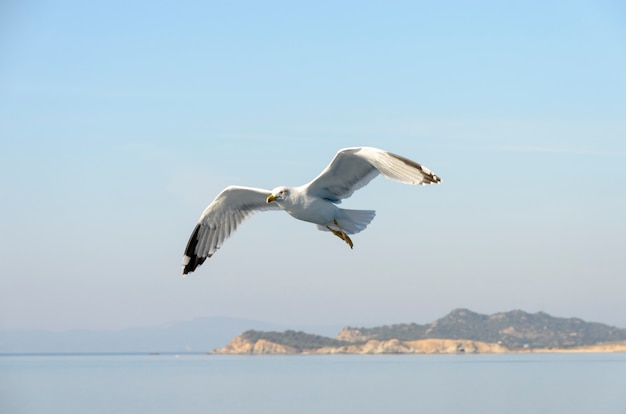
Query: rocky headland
460	332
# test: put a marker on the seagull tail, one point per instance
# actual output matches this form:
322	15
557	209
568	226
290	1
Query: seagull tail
352	221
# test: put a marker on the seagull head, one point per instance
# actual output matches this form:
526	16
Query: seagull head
278	194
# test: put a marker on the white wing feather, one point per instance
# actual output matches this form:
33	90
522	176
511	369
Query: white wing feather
353	168
220	219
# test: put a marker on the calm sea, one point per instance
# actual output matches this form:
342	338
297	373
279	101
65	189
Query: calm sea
428	384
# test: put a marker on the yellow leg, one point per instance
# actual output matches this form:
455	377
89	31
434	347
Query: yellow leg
340	233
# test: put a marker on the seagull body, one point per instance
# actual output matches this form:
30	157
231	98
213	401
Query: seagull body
315	202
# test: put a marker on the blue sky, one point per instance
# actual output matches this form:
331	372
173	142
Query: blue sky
120	122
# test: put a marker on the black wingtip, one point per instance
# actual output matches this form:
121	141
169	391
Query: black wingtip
193	263
192	260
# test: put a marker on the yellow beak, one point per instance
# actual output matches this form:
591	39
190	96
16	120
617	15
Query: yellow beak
270	198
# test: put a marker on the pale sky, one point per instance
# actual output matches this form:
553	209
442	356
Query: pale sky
120	121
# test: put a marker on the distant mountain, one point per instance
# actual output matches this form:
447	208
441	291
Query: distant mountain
197	335
516	329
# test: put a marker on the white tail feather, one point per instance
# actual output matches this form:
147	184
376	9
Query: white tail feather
351	221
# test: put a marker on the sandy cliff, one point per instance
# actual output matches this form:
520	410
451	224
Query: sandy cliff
240	345
425	346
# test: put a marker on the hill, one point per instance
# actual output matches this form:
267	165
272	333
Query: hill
458	332
516	329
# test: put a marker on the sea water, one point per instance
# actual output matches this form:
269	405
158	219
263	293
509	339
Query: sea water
429	384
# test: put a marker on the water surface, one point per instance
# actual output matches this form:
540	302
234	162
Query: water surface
429	384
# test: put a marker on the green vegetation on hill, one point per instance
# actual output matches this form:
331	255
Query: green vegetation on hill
515	330
402	332
297	340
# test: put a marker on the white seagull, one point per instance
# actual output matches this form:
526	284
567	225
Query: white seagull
315	202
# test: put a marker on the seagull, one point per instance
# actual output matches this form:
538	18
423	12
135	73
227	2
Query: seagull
315	202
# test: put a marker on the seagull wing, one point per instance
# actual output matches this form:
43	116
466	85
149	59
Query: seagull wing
353	168
220	219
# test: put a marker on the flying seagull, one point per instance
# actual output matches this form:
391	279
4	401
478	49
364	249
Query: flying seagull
315	202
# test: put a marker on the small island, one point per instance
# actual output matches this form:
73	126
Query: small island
461	331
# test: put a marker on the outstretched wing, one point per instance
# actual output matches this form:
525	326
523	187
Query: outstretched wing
220	219
353	168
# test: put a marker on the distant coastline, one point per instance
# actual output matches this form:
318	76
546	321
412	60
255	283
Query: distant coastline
460	332
241	346
466	332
